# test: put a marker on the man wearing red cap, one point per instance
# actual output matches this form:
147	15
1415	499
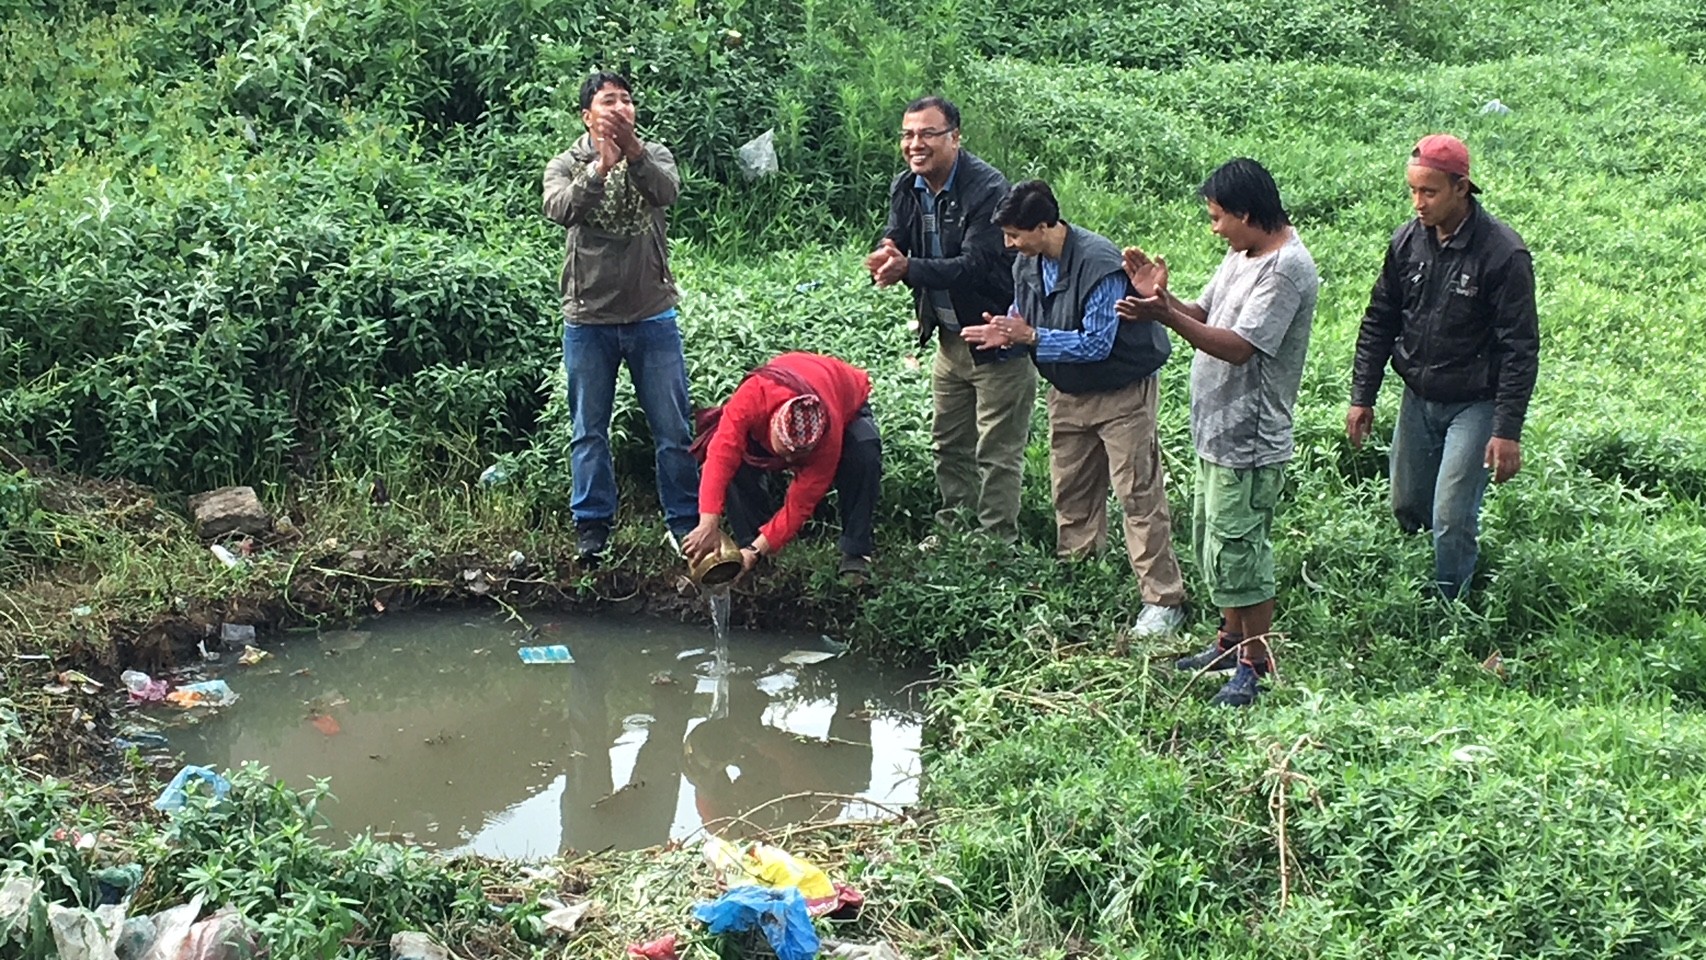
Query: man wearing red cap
1453	311
805	413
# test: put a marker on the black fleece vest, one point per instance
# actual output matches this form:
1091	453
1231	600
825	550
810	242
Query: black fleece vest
1085	260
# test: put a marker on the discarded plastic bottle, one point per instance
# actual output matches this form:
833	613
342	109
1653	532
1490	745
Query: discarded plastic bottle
1495	108
555	653
494	475
225	556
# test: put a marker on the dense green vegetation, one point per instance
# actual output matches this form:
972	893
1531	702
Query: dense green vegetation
298	245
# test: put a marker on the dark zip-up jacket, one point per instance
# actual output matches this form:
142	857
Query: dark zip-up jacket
976	268
1458	321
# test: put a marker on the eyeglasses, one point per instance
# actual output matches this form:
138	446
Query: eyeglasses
908	136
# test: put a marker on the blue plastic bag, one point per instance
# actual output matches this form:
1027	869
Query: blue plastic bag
174	797
779	913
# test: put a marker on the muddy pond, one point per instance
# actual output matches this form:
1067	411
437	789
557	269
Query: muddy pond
433	730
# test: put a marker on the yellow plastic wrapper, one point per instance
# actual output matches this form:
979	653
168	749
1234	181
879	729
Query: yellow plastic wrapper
768	866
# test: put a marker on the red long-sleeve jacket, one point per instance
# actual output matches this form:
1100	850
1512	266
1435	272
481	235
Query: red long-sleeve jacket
843	388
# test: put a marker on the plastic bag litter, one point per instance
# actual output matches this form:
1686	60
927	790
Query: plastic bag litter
208	693
881	950
552	653
135	938
663	948
223	936
773	867
80	934
779	914
757	157
414	945
16	897
115	884
143	688
175	795
142	741
564	919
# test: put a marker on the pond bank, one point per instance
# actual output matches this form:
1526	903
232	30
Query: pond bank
131	587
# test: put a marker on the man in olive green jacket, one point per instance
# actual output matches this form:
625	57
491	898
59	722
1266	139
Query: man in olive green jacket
612	191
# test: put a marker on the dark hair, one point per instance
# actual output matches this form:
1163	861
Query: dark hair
1244	187
598	81
1027	206
950	112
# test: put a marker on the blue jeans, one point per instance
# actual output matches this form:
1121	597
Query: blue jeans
652	349
1439	474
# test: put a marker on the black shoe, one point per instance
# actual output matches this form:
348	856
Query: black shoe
592	538
855	570
1243	688
1218	658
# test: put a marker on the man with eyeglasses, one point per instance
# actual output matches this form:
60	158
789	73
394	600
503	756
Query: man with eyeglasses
940	242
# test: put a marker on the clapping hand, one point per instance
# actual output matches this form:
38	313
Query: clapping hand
887	264
1148	276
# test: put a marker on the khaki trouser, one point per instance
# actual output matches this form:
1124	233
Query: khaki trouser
1100	438
982	423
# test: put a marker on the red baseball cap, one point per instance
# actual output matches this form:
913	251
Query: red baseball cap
1444	152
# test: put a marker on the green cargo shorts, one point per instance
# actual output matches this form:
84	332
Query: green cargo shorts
1233	518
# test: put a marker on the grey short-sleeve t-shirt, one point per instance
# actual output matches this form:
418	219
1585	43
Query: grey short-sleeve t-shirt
1241	414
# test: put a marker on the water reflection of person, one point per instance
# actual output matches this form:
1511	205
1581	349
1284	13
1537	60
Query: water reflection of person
606	687
738	762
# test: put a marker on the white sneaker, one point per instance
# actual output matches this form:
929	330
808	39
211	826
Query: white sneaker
1157	621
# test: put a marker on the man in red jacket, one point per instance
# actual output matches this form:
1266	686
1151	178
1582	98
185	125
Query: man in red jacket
805	413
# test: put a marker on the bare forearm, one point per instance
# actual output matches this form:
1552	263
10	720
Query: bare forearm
1190	322
1184	310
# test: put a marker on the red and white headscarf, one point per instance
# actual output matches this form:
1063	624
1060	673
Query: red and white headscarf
798	425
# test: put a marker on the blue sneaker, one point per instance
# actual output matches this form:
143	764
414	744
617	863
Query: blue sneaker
1242	689
1219	658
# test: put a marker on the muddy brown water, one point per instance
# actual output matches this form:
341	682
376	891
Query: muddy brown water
432	730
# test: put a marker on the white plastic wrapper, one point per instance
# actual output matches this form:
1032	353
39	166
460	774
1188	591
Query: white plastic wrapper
758	156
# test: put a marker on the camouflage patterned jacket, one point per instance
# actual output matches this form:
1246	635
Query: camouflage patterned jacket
617	265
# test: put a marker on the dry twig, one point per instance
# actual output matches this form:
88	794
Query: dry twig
1280	777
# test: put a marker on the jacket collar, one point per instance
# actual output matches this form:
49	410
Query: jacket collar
582	149
918	182
1465	231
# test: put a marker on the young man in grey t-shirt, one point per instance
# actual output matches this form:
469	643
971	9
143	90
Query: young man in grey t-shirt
1250	329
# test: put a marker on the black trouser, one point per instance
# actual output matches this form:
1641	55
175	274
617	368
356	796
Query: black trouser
751	499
